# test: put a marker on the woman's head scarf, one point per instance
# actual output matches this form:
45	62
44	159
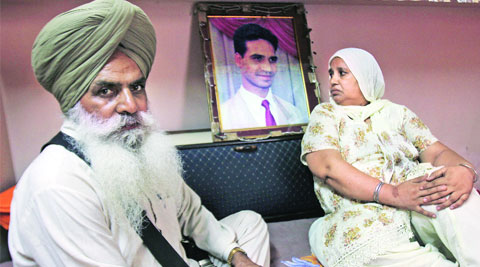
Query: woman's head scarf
369	76
73	47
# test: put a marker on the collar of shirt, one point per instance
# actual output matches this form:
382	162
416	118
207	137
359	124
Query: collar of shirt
254	104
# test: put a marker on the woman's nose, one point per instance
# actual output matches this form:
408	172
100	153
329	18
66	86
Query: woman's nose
333	79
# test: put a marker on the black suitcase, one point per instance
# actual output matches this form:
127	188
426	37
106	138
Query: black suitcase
265	176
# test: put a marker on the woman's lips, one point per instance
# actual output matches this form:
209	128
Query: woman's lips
334	92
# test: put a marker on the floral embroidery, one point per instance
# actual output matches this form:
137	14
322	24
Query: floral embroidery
328	107
368	222
341	127
369	126
375	172
421	143
359	138
406	151
395	179
386	138
403	133
327	114
418	123
316	129
351	235
336	200
332	141
384	219
397	158
329	217
389	166
330	235
349	214
402	177
307	147
317	193
372	208
345	152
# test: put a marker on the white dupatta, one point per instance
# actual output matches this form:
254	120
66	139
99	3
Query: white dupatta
369	76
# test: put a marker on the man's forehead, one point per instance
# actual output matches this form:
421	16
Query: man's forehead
259	46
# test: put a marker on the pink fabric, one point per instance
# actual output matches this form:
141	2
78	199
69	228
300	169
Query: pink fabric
280	27
269	119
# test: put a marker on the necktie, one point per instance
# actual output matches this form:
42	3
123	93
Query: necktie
268	115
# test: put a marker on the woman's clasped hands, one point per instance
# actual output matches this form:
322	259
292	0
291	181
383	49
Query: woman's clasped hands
448	187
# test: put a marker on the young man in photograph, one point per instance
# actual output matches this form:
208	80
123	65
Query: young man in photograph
254	104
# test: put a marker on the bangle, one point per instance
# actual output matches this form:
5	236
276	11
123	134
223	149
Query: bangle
234	250
475	174
377	192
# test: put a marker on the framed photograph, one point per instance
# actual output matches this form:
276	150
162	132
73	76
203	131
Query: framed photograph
259	73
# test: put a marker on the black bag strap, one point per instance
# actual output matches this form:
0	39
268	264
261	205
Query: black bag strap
151	236
159	246
67	142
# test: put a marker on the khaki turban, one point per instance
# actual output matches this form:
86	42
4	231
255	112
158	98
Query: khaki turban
73	47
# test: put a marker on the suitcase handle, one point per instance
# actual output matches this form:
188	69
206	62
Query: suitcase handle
249	148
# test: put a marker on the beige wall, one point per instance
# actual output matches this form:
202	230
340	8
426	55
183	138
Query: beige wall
429	56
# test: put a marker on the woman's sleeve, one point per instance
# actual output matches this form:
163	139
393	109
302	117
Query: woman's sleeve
322	131
416	131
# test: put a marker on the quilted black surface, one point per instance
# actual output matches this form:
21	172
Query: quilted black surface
269	180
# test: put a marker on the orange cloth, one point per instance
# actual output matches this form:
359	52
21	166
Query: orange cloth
312	259
5	201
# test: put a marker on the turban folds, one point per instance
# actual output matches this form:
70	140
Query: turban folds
73	47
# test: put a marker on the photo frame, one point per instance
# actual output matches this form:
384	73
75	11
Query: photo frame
259	72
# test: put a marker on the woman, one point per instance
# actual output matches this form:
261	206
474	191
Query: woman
370	158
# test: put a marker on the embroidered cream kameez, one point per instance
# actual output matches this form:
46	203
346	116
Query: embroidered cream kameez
353	232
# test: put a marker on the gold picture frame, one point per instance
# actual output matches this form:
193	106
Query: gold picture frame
235	82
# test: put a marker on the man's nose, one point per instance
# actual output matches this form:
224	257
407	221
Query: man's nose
126	102
269	67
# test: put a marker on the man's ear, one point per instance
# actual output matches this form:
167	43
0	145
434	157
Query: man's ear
238	59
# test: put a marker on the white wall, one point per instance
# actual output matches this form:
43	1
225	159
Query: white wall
429	56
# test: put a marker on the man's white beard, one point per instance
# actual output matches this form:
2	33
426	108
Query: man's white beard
131	166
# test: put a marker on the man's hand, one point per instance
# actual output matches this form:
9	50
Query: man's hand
241	260
414	193
459	183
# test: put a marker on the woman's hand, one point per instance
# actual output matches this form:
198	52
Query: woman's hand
414	193
458	179
459	183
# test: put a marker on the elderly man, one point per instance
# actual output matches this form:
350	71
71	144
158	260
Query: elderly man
109	178
254	104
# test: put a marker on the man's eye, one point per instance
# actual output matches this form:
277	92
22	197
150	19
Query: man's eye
273	59
138	87
104	91
258	58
